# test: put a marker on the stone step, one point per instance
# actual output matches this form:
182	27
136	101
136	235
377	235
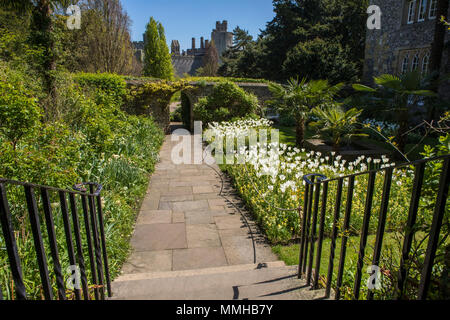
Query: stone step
273	281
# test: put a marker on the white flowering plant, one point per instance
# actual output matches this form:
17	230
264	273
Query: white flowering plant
271	177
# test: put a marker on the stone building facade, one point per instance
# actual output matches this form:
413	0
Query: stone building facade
189	61
405	39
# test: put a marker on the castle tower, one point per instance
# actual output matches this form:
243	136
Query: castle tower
175	47
221	37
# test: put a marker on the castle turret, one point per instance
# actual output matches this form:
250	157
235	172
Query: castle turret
223	39
175	47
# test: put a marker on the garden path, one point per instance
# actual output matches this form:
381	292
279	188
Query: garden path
186	223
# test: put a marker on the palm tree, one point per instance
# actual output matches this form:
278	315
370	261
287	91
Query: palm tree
42	22
336	125
398	94
297	98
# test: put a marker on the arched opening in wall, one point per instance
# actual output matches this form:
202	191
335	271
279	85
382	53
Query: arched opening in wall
185	110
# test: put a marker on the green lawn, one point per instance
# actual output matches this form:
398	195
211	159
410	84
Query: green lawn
290	255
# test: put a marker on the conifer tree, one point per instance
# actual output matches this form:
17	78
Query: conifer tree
157	61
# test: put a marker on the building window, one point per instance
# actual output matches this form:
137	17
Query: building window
422	10
433	9
411	11
425	63
415	62
405	64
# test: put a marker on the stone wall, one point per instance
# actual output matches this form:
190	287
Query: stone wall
157	106
386	48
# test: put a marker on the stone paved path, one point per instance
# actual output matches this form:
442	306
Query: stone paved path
185	224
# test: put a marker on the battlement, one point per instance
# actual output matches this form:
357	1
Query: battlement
221	27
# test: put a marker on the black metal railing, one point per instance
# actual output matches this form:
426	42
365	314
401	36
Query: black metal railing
311	242
78	240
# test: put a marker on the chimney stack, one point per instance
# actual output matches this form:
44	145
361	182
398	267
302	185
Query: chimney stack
193	43
202	43
206	44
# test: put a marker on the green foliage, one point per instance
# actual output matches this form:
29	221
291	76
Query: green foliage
158	62
92	140
297	98
312	38
105	85
397	95
336	125
19	111
227	101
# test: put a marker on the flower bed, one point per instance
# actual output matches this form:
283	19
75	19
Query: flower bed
271	179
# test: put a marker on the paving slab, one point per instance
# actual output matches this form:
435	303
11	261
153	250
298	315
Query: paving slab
186	206
198	258
202	236
229	222
148	261
156	237
155	217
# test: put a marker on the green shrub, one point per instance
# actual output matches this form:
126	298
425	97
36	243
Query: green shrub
106	85
93	140
19	111
227	101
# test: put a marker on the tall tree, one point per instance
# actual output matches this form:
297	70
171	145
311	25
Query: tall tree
157	60
210	61
316	39
104	38
241	39
43	30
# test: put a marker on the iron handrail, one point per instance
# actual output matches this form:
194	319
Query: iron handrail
311	218
91	204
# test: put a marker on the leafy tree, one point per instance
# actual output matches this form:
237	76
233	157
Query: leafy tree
398	94
297	98
316	39
19	113
158	62
42	26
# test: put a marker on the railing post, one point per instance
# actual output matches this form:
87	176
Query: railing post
98	253
321	231
68	233
337	212
435	230
303	236
348	210
49	222
414	206
313	233
38	243
382	221
364	234
11	245
103	240
76	227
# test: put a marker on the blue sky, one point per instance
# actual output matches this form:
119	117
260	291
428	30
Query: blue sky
184	19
